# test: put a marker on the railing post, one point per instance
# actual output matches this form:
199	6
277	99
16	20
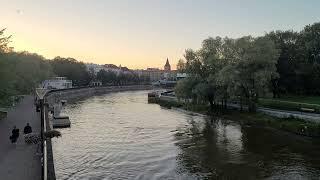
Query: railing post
42	135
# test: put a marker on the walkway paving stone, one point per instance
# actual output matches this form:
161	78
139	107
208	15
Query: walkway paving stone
19	162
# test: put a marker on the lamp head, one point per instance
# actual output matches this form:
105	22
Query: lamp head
41	92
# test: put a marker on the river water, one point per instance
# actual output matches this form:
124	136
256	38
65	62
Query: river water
121	136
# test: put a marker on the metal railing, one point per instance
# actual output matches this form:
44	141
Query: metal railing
45	157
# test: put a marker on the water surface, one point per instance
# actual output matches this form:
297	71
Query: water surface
121	136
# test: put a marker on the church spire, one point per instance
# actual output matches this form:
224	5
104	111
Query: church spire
167	66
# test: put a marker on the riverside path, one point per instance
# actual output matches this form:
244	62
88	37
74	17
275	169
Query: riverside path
19	161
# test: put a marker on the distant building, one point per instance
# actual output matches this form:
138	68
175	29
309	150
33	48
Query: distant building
57	83
156	74
181	76
167	66
117	70
95	68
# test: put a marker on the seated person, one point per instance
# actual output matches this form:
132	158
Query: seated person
27	129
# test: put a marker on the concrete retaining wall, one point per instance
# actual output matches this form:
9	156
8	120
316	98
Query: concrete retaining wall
55	96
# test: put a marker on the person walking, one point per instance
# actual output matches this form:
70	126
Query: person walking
27	129
15	135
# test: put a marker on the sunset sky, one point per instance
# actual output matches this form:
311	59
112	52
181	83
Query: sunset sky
142	33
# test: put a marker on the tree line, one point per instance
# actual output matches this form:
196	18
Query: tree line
21	72
124	78
246	68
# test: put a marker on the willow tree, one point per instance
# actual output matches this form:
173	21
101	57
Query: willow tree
4	41
181	66
255	67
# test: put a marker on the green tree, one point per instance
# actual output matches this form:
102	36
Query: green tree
288	62
309	66
181	66
4	41
107	77
226	68
21	72
72	69
256	67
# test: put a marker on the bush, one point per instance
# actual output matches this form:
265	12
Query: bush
169	104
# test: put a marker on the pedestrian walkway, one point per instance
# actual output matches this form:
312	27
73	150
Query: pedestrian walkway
19	162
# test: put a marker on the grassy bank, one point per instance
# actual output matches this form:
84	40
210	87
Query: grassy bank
292	103
293	125
301	99
8	102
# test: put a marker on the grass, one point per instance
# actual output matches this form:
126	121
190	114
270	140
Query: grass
169	104
292	103
291	124
302	99
6	102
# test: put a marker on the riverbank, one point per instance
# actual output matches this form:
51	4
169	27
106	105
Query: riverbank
289	124
73	94
125	137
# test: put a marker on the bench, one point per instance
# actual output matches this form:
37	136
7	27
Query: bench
307	109
3	114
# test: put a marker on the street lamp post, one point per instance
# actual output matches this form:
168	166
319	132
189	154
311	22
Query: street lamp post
41	92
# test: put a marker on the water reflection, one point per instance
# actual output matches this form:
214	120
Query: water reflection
222	149
120	136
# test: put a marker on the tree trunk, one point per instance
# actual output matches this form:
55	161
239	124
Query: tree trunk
210	99
211	104
252	105
225	104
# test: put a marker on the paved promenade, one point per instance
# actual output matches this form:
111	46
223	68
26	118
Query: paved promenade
19	162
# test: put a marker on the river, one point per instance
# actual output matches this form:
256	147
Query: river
121	136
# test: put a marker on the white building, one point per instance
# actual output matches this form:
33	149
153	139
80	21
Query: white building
181	76
57	83
95	68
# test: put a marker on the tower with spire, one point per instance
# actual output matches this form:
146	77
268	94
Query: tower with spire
167	66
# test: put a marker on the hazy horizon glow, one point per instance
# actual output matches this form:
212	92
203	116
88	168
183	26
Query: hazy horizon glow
142	33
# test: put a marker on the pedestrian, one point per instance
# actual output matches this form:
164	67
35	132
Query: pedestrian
27	129
15	135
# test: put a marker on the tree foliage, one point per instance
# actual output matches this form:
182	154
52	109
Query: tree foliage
4	41
281	62
120	78
21	72
227	68
181	66
72	69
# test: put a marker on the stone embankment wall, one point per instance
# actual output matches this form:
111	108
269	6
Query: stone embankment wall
73	94
55	96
